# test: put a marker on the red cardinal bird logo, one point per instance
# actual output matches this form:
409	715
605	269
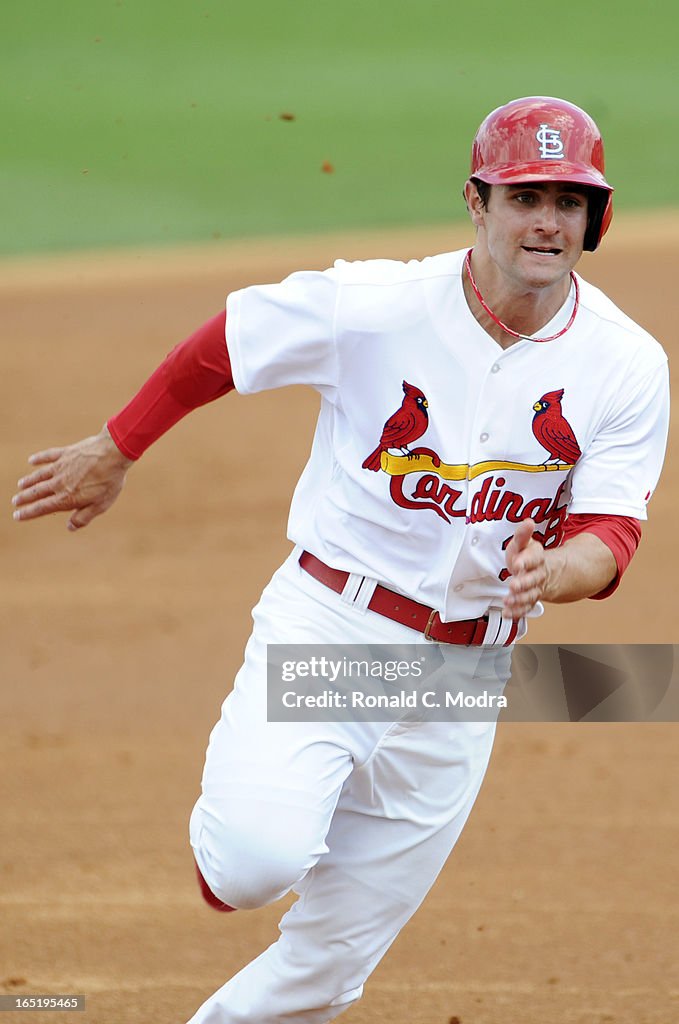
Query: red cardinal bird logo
406	425
553	431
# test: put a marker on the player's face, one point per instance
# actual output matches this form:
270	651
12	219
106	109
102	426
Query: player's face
533	232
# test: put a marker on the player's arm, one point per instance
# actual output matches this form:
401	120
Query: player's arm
590	562
623	462
85	478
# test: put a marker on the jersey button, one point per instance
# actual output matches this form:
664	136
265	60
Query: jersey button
458	588
475	541
495	368
484	437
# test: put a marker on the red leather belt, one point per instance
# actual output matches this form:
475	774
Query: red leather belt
466	632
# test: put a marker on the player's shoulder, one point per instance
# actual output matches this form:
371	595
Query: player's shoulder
616	325
381	272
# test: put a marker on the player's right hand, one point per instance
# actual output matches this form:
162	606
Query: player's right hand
84	478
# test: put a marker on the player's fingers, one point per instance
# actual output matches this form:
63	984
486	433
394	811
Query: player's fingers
517	605
44	473
48	455
43	507
529	565
525	590
528	579
518	543
83	516
525	598
523	533
30	494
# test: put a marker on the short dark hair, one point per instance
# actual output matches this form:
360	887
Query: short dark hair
483	188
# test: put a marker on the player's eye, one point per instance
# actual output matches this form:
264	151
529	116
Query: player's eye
572	202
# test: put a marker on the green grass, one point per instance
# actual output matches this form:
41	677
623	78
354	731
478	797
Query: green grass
136	121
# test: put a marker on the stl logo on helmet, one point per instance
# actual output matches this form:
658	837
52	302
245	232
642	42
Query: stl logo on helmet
551	145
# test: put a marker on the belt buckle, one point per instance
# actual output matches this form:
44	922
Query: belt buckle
430	622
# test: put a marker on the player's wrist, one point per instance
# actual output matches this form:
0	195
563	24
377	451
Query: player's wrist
113	447
554	565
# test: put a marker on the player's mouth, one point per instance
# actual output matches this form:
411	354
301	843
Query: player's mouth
542	250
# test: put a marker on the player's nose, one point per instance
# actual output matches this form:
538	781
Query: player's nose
546	217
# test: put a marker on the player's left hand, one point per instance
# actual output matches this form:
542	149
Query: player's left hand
528	564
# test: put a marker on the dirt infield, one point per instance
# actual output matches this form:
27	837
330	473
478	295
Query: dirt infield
120	642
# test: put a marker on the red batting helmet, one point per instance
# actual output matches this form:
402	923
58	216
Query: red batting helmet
540	138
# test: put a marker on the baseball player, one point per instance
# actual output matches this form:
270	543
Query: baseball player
490	432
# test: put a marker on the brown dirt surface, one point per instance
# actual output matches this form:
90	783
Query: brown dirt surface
119	643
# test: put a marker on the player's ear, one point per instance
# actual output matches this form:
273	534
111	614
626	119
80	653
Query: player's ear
475	204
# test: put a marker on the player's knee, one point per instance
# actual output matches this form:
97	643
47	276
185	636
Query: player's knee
239	879
244	863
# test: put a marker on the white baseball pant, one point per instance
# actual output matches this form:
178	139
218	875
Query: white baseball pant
357	818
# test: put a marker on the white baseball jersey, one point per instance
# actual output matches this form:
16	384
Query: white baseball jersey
497	435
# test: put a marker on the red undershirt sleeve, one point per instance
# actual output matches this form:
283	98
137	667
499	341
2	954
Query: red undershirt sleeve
196	372
619	533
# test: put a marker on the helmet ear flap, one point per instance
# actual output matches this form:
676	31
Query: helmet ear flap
599	219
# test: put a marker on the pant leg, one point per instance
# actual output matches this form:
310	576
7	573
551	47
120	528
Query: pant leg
269	789
396	821
357	817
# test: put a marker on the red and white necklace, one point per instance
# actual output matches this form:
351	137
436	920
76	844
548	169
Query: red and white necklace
496	320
